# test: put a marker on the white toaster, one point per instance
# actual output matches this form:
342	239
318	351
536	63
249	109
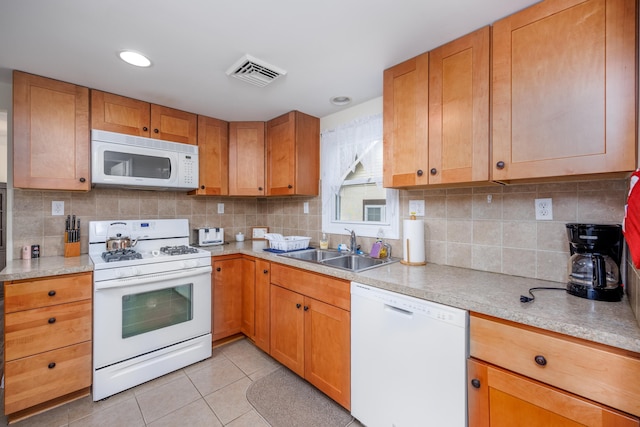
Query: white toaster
209	236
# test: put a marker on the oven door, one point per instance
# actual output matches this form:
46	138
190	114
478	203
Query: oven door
134	316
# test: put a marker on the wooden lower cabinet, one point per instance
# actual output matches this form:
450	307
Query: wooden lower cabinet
500	398
262	289
48	347
226	293
311	329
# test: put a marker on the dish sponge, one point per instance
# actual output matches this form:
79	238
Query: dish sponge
375	250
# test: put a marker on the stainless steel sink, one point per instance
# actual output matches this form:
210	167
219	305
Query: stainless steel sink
333	258
315	255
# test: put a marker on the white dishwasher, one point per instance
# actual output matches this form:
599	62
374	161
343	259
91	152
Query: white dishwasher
408	360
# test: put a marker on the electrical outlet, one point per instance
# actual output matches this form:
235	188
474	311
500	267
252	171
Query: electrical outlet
220	207
57	208
416	207
305	207
544	209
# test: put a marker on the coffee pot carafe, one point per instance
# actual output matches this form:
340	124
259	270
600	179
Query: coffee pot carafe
594	267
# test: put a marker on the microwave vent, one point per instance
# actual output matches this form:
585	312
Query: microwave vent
255	71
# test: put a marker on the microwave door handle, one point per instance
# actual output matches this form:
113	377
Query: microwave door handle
151	278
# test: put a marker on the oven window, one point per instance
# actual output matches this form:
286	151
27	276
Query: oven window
148	311
136	165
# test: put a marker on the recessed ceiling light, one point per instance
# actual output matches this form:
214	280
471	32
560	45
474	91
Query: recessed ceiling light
135	58
340	100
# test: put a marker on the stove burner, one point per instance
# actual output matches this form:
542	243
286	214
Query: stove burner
178	250
120	255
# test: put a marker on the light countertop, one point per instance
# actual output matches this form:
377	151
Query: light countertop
498	295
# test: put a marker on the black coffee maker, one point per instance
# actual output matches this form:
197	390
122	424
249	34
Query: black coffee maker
594	267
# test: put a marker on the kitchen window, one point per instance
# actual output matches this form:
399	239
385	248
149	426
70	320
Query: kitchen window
352	193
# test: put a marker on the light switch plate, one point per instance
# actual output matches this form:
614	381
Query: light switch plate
305	207
220	208
416	207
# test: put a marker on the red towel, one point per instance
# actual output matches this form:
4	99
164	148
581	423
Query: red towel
631	222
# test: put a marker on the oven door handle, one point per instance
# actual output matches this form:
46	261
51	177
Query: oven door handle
151	278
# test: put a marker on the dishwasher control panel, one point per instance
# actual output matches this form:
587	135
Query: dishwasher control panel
410	305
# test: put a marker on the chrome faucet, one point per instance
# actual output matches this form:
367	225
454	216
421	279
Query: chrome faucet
352	245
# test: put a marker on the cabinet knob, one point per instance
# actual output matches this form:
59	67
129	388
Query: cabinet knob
433	171
82	179
306	308
419	173
265	271
298	305
289	186
218	269
475	383
156	131
52	365
144	128
540	360
52	293
500	165
202	187
52	320
259	188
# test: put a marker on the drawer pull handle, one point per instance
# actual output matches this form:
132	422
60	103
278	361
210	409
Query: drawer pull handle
52	365
52	320
540	360
265	271
475	383
306	308
52	293
298	305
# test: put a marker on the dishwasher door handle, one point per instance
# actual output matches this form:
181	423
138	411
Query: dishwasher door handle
401	311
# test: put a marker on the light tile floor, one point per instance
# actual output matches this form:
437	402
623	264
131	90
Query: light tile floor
210	393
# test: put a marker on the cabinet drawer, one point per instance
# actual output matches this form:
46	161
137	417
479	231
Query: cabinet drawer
586	369
28	294
42	329
324	288
30	381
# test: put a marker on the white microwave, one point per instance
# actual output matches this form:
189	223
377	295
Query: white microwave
136	162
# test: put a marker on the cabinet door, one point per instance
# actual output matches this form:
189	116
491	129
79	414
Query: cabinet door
51	141
405	123
501	398
262	311
328	350
287	328
459	110
173	125
246	159
564	88
116	113
248	297
227	297
293	155
213	153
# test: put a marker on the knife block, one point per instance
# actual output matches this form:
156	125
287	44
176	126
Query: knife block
72	249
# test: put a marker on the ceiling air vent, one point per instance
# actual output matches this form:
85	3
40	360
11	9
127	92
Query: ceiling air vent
255	71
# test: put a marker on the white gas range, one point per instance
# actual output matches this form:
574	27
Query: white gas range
152	302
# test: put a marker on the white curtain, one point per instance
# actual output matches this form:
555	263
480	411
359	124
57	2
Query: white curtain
359	141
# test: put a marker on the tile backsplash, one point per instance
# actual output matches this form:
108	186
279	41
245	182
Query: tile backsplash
490	228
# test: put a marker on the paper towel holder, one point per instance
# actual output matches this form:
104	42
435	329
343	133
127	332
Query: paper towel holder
406	260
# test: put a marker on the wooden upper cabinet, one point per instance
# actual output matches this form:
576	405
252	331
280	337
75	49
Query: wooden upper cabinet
293	155
213	154
246	159
459	110
120	114
117	113
564	90
405	123
51	141
169	124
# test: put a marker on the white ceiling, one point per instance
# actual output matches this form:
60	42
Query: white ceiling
328	47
